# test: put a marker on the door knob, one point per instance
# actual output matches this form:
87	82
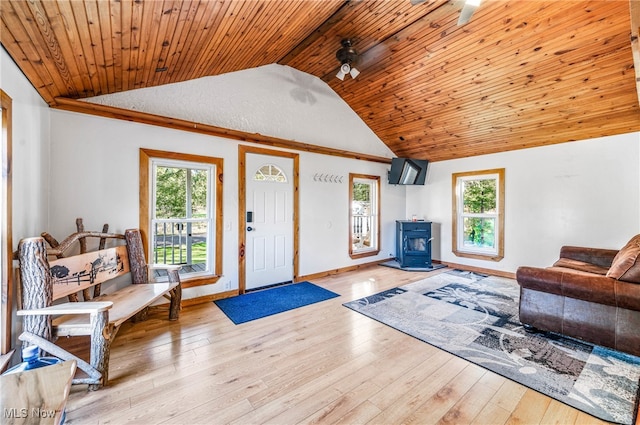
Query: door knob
249	229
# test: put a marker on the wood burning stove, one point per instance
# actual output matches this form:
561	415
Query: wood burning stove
413	243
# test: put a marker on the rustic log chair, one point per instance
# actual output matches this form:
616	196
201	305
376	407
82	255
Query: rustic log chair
44	282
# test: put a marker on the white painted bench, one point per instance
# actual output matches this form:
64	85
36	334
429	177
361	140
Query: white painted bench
100	317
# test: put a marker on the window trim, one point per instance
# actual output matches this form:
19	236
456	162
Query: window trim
374	251
7	283
146	158
456	178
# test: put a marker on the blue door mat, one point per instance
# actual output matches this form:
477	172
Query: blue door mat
259	304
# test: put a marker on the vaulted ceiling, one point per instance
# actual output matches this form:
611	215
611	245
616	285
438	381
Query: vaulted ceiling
521	73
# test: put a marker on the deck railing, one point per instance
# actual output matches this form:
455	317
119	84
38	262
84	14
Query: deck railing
361	229
171	243
174	242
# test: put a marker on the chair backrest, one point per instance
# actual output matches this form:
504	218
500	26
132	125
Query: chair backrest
44	281
79	272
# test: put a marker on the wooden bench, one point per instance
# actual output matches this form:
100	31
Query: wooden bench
100	316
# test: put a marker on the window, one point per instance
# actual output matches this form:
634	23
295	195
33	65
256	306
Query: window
184	219
478	216
364	214
6	244
270	173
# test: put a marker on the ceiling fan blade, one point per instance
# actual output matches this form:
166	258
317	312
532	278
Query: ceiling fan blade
469	7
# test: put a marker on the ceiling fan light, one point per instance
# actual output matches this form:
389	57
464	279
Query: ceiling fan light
347	56
469	7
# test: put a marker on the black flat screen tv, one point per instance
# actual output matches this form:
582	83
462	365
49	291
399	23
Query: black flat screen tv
408	171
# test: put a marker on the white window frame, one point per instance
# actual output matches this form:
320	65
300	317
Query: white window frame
210	220
496	253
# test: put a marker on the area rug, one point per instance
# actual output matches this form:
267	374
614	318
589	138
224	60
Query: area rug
259	304
476	317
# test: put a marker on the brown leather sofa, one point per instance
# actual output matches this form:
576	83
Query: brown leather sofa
589	293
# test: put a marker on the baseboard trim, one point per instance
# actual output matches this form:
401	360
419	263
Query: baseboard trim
209	298
482	270
340	270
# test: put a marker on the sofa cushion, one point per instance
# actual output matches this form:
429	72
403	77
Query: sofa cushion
626	264
598	256
582	266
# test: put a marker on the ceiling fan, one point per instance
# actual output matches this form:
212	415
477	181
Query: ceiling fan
347	57
469	7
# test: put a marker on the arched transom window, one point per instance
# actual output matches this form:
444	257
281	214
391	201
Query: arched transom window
270	173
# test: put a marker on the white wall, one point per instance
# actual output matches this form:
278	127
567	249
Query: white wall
30	160
324	235
584	193
95	176
30	151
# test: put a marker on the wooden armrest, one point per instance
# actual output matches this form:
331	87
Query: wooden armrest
172	271
69	308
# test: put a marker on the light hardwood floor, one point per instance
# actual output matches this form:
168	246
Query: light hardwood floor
321	363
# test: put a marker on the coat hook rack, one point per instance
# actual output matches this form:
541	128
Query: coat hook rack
327	178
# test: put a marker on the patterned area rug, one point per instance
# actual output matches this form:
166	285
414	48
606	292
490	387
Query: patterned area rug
476	317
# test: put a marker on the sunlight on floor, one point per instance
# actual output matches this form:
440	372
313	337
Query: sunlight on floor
363	331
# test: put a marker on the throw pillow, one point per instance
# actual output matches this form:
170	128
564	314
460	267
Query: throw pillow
626	264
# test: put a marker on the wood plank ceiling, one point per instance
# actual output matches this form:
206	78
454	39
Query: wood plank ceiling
521	73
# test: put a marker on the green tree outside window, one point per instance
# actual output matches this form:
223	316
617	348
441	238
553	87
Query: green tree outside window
479	197
171	192
478	214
